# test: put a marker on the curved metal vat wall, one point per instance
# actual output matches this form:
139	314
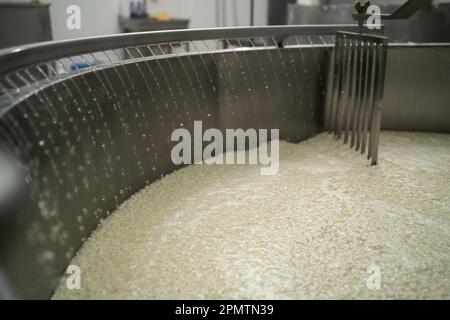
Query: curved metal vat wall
88	140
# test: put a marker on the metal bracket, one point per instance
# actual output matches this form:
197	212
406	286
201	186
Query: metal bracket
280	41
405	11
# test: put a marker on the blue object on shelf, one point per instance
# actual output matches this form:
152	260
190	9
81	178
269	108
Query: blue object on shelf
78	66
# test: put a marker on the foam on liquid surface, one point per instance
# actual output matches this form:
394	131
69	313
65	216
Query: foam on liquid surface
311	231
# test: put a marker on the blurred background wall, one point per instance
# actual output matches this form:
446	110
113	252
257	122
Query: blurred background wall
100	17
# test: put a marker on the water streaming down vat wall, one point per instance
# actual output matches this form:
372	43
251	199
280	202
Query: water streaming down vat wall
89	138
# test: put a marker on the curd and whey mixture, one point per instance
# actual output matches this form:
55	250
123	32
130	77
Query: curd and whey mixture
328	225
